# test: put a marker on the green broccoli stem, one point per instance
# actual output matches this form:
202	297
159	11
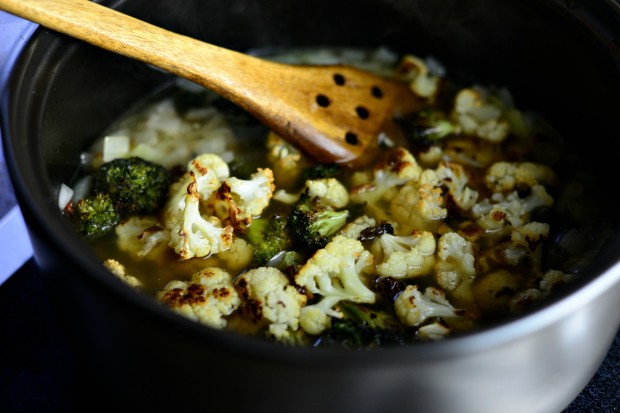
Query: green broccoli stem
312	223
326	223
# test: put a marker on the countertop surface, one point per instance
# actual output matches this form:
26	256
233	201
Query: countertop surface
39	372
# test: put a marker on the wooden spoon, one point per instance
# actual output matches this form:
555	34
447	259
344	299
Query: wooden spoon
333	113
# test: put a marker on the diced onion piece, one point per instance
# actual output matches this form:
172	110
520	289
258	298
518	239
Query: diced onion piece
81	188
65	194
228	156
435	67
147	152
115	147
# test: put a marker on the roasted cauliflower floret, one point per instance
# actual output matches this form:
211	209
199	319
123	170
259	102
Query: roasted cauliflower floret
329	190
269	298
508	176
431	156
524	241
455	261
354	228
401	256
207	298
191	234
421	81
419	205
286	161
476	116
495	214
209	171
455	178
470	152
316	318
142	237
455	268
413	308
554	279
395	169
434	331
204	174
238	256
335	273
238	201
194	229
119	271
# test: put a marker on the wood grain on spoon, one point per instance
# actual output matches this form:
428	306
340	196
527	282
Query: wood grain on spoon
333	113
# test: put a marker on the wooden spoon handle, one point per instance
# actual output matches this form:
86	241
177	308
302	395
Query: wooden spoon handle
225	71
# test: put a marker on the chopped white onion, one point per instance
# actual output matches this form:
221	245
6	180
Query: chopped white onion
385	56
65	194
147	152
81	188
435	67
227	156
115	147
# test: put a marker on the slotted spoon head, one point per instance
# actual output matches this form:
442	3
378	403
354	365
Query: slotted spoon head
335	113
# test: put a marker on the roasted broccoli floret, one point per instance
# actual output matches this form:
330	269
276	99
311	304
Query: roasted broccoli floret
362	327
269	237
312	223
135	186
429	126
95	216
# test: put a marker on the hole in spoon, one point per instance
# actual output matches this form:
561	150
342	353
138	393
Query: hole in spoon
339	79
362	112
322	101
376	92
350	138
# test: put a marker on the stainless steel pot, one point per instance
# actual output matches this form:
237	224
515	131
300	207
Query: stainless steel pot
560	58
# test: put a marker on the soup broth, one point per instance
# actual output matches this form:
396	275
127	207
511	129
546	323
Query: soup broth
468	222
